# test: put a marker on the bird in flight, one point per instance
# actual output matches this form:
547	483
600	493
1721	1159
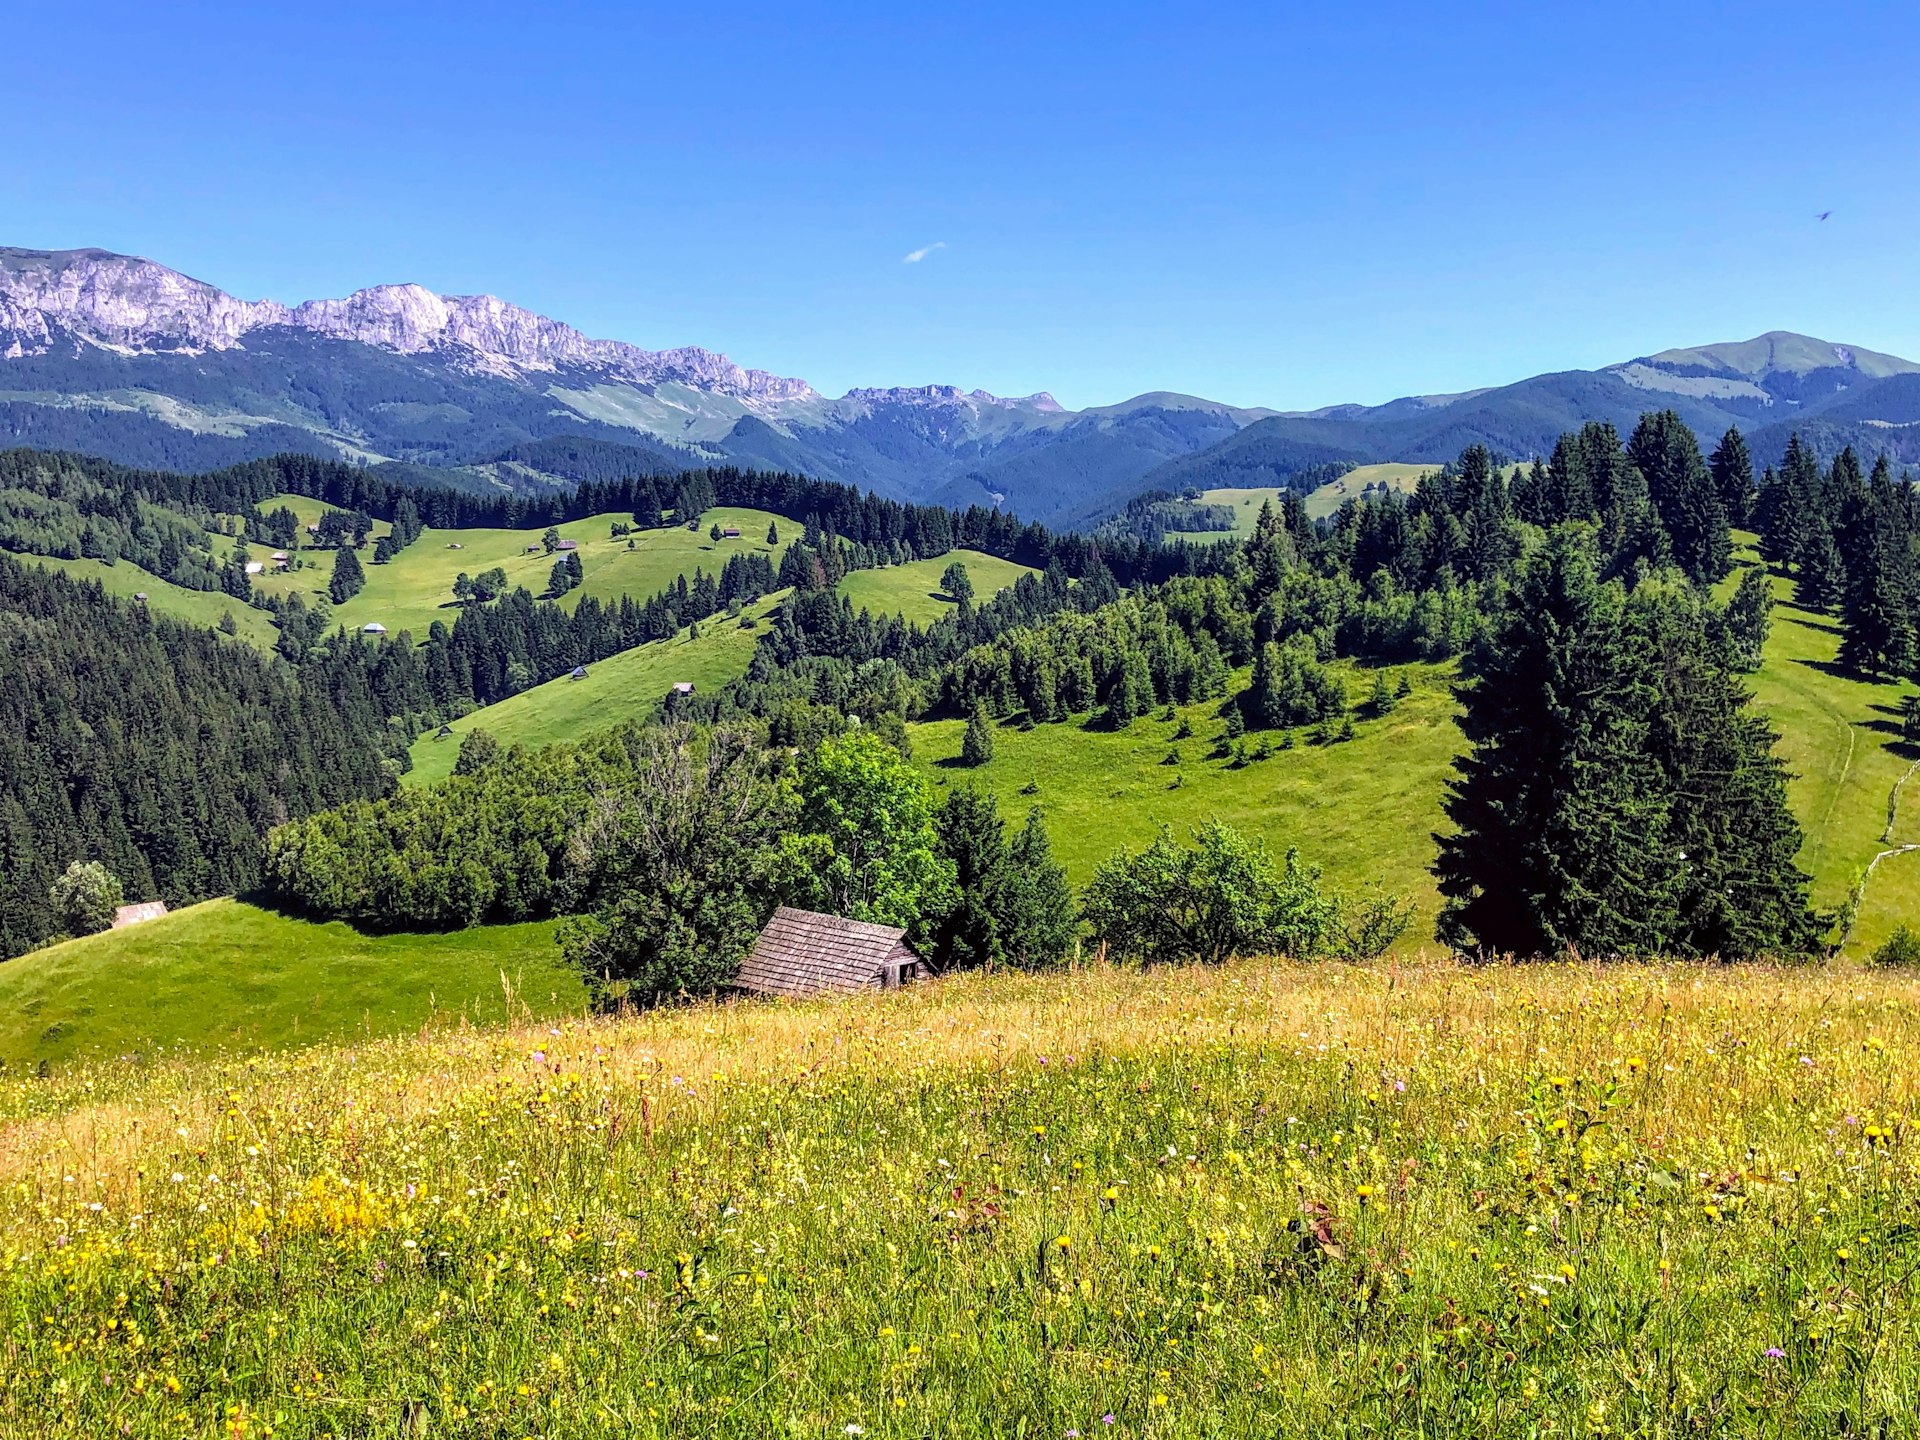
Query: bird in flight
1823	215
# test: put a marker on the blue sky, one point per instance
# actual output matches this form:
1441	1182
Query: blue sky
1272	204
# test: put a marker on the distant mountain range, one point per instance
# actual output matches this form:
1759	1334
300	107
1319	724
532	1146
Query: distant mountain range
126	358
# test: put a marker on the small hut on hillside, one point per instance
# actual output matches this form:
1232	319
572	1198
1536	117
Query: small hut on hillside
373	627
134	914
579	673
802	952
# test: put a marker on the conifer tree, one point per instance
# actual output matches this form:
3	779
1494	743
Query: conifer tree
1823	576
1684	495
976	746
1876	614
1618	797
348	578
1731	465
1747	618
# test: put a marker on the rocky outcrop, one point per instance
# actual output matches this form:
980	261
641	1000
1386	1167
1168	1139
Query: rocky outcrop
139	307
117	301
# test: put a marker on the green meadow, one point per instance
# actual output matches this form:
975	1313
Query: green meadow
1839	735
623	687
195	607
913	590
229	975
415	588
1362	809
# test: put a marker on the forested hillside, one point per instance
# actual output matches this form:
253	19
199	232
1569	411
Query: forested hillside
1282	634
159	749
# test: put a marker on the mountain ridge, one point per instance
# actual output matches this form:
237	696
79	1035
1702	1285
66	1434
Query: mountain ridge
122	356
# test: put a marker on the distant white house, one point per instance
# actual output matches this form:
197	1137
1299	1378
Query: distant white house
579	673
683	687
254	567
373	627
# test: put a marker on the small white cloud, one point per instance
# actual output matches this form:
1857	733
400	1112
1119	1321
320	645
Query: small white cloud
914	257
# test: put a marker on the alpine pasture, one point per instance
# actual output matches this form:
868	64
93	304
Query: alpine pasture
1254	1199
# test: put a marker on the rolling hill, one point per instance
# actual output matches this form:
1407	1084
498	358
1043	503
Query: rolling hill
625	687
630	686
415	587
228	974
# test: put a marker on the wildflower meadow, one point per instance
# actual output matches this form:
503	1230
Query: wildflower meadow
1258	1199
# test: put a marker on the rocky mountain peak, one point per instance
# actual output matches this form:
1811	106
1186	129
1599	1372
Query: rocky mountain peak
136	306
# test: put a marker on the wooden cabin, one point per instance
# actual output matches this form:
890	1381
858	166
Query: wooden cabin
802	952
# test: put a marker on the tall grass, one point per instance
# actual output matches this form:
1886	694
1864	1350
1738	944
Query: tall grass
1257	1200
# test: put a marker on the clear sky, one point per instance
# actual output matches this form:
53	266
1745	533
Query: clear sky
1273	204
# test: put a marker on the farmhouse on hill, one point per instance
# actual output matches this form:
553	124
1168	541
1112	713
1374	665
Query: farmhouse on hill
133	914
683	687
802	952
732	532
579	673
568	545
373	627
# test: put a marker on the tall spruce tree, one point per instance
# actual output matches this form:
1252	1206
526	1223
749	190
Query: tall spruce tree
1748	618
1822	574
1877	607
348	578
1618	797
1684	494
1731	465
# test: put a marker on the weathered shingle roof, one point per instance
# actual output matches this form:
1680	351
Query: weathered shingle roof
802	952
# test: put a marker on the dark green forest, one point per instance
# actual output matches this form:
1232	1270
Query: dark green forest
160	749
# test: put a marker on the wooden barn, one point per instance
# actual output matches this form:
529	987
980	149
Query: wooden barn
802	952
136	914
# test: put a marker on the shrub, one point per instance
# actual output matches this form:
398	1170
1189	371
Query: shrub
1219	897
1899	951
85	897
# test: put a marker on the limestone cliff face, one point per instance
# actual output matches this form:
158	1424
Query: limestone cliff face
117	301
140	307
54	297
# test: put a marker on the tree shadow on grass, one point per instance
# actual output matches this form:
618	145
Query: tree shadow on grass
1813	620
1833	669
287	910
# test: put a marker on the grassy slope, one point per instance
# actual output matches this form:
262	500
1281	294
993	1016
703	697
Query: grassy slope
1363	810
1247	500
226	973
1001	1205
195	607
913	590
415	588
1840	737
626	686
629	685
